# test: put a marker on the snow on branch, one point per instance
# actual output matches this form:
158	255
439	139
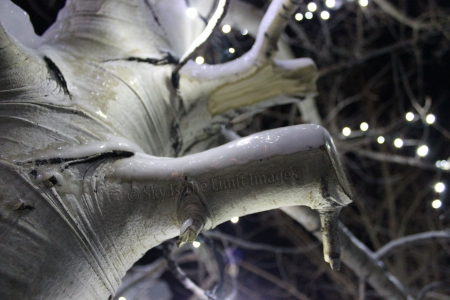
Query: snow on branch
253	77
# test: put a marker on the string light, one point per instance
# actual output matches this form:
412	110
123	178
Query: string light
380	139
199	60
122	298
346	131
430	119
196	244
309	15
234	220
409	116
443	164
398	143
244	32
312	6
364	126
330	3
325	15
439	187
191	13
298	16
422	151
363	3
231	50
226	28
436	204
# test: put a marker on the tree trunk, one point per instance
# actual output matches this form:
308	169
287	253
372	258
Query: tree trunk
92	122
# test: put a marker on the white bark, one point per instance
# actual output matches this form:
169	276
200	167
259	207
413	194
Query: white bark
85	119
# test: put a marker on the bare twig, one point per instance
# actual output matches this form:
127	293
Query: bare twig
180	275
420	238
433	286
398	159
399	16
275	280
354	254
258	246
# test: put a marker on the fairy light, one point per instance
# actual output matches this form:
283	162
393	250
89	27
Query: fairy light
199	60
226	28
346	131
231	50
244	31
422	151
398	143
325	15
436	204
330	3
234	220
381	139
196	244
445	165
363	3
439	187
122	298
430	119
191	13
298	16
312	6
309	15
409	116
364	126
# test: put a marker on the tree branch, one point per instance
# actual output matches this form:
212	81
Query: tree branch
180	275
354	254
258	246
275	280
415	239
253	77
398	159
399	16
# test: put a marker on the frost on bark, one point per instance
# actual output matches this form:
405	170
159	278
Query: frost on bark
104	145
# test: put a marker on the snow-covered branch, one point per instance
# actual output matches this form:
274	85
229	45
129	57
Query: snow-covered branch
253	77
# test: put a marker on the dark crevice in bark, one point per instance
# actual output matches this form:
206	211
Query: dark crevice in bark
24	206
168	59
74	160
58	75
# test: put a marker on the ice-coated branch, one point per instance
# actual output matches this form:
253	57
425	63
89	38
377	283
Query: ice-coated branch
284	167
354	254
414	239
